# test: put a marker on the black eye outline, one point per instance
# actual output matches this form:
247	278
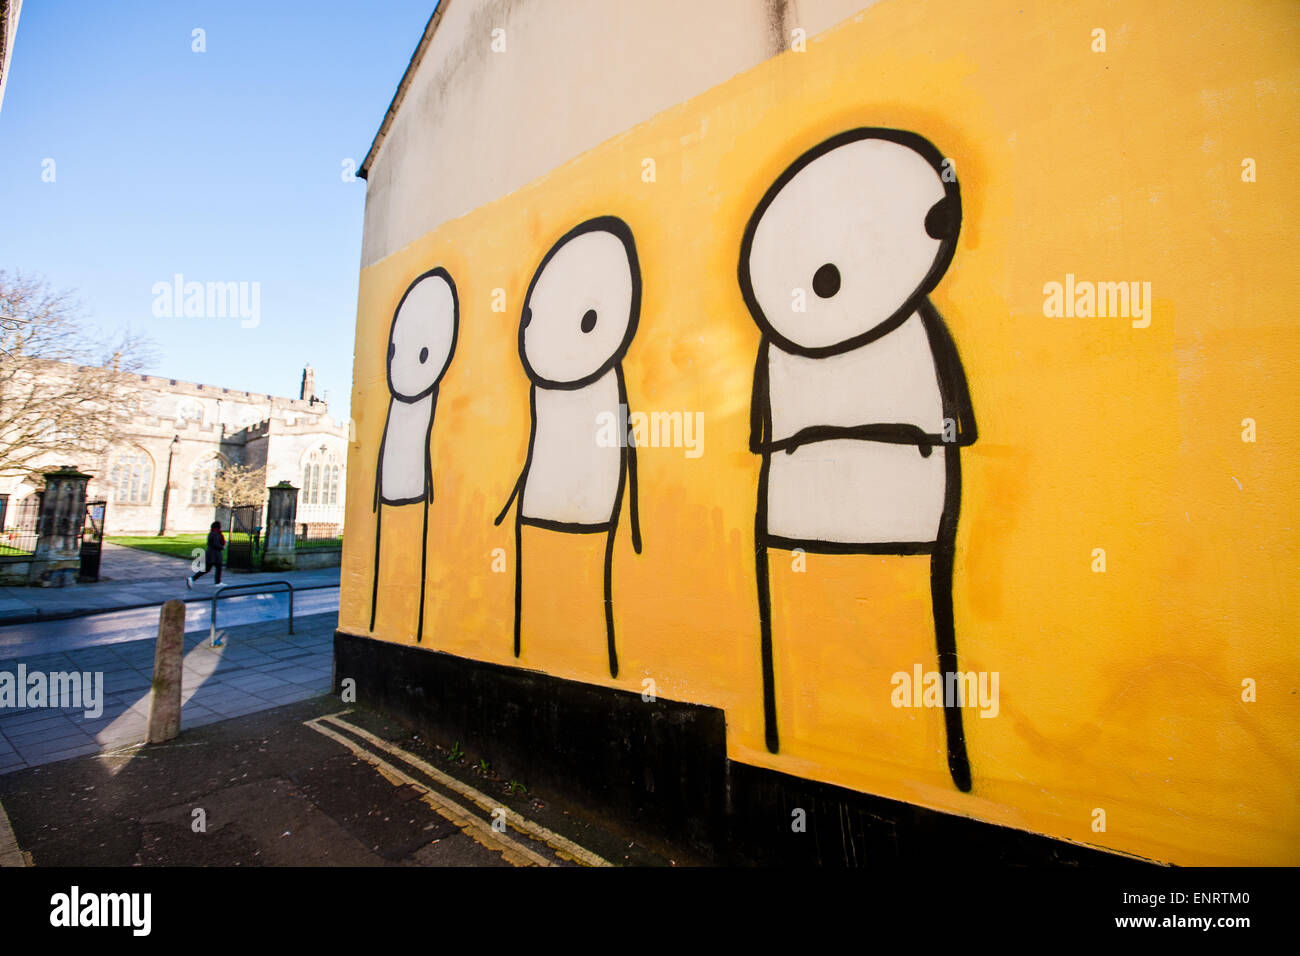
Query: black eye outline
826	281
588	320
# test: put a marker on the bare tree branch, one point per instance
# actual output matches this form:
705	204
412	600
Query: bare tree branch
238	485
63	393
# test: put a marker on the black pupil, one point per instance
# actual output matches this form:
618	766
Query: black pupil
826	281
392	350
589	320
424	356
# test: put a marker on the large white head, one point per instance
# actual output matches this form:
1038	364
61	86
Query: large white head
423	336
854	232
582	307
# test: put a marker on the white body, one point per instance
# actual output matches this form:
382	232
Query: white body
847	490
406	451
571	478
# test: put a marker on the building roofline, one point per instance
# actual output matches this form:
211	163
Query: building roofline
434	19
167	382
9	11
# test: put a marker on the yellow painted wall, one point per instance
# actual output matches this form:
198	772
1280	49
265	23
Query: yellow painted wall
1119	690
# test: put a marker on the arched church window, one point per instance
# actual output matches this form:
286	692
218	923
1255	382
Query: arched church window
131	476
203	481
321	474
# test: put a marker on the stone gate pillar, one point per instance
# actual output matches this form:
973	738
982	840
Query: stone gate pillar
62	514
281	515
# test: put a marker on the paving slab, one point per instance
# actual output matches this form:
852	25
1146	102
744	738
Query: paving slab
217	684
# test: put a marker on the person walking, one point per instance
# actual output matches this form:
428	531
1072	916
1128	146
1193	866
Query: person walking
211	556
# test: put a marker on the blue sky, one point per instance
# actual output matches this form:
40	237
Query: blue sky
223	166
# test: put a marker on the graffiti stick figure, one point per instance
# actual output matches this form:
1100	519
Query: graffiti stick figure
421	343
578	319
860	401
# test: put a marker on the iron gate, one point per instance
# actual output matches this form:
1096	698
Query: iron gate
244	537
92	539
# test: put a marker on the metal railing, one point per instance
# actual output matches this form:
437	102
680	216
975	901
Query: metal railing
225	590
21	530
318	534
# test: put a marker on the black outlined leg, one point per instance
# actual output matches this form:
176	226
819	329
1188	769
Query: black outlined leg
945	632
945	636
519	578
609	602
424	557
374	590
765	638
761	574
941	563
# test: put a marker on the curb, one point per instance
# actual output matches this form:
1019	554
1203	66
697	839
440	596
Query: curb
38	617
10	854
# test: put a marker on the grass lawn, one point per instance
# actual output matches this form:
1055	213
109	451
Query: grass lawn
303	544
179	545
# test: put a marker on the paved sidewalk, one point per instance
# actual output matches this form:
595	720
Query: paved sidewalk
120	563
131	577
309	784
259	667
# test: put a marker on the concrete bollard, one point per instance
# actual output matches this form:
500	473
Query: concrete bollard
165	700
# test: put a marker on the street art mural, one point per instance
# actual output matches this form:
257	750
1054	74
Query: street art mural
579	316
421	342
1101	571
860	402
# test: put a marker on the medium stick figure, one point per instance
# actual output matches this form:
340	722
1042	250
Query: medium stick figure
579	317
860	401
421	343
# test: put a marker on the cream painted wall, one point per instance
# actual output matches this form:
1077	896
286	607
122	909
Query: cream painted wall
476	125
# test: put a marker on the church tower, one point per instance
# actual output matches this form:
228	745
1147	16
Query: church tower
308	393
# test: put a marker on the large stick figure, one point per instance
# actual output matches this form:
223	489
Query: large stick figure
860	401
420	346
578	319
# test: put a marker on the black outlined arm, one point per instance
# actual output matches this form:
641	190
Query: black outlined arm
629	452
528	458
895	433
632	496
428	447
953	386
954	394
760	410
513	494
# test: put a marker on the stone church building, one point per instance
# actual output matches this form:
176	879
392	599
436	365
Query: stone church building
191	431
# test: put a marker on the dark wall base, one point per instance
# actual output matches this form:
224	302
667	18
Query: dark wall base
662	766
658	765
847	828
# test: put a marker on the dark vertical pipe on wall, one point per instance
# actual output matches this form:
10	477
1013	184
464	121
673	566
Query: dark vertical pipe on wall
167	485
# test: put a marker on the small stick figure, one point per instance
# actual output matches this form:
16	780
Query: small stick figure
578	319
421	343
860	402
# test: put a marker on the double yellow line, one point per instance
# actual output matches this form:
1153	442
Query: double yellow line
516	852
